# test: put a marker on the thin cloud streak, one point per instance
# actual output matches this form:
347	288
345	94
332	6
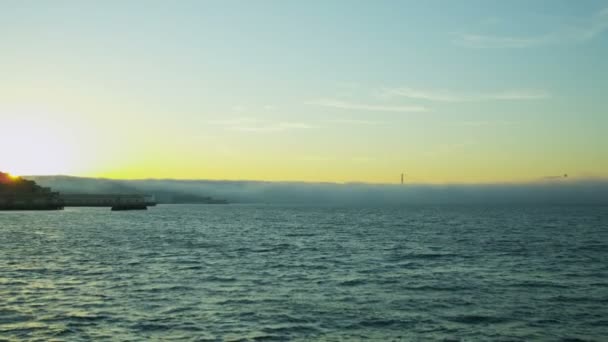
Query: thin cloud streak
486	123
356	122
255	125
596	25
447	96
281	126
367	107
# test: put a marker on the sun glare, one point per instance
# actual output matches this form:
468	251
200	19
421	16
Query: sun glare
35	146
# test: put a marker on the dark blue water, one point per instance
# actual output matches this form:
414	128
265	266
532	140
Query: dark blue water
301	273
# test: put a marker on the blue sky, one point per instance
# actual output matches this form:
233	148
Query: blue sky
470	91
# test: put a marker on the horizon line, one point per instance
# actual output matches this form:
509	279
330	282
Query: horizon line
536	181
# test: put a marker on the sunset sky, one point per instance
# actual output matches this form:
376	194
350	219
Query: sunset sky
339	91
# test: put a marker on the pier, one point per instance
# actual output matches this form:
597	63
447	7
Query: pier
114	201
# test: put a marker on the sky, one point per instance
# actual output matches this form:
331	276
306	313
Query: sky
317	91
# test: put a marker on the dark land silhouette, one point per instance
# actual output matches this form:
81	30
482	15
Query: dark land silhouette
17	193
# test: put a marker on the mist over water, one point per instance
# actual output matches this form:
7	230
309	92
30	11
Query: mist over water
586	192
359	194
277	273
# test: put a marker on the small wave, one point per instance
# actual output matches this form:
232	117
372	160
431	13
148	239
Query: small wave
381	323
268	337
420	256
599	323
193	267
12	282
220	279
190	327
278	247
164	288
538	284
435	288
236	302
291	319
62	331
299	234
23	327
477	319
13	316
291	329
429	255
175	310
353	282
151	326
570	299
85	316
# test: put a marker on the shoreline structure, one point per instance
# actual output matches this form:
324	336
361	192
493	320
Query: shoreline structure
17	193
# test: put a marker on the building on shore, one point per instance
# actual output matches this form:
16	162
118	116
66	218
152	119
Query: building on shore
17	193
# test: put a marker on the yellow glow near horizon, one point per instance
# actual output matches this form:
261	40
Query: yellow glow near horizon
85	142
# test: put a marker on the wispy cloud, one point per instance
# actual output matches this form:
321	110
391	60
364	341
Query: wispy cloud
242	109
366	107
486	123
487	41
325	158
232	122
355	122
256	125
448	96
272	127
595	26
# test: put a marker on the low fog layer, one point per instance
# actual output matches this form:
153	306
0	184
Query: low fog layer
543	192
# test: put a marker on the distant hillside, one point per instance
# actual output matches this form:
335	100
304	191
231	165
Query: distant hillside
552	191
77	185
162	193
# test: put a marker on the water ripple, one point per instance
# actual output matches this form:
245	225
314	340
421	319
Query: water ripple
267	273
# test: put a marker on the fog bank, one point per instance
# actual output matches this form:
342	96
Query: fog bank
543	192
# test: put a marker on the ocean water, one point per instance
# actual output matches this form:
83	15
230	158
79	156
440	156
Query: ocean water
265	273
